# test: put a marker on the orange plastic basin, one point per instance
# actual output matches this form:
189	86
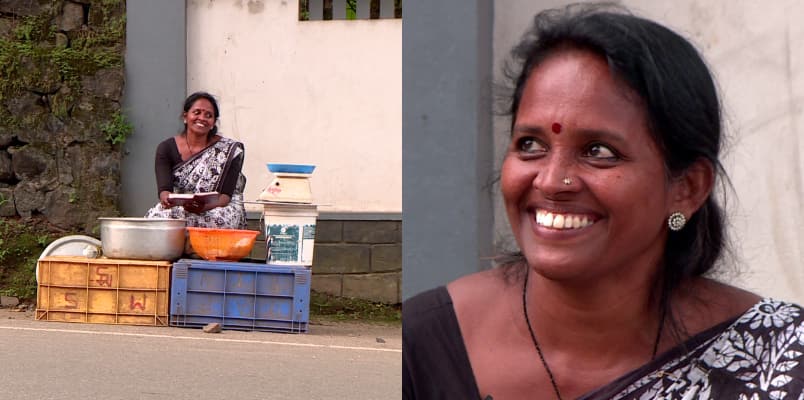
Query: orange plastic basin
222	244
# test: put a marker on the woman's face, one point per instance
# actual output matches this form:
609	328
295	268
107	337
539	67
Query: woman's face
576	121
201	117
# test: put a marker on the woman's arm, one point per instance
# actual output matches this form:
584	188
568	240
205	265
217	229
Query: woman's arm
167	155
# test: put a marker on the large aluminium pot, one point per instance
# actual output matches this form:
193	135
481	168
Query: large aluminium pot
142	238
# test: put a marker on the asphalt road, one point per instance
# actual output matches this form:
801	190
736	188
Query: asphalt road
53	360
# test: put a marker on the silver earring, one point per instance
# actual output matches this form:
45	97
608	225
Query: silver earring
676	221
567	181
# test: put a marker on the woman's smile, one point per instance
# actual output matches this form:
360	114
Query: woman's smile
561	221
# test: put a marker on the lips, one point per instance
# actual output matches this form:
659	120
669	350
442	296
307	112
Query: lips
556	220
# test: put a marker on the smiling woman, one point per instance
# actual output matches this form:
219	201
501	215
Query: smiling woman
199	161
607	184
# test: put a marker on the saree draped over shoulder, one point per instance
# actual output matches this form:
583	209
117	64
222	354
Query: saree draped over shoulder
756	356
205	172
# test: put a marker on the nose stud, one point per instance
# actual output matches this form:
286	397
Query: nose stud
567	180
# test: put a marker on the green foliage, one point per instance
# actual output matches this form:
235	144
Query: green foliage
109	34
20	246
346	308
117	129
29	53
34	28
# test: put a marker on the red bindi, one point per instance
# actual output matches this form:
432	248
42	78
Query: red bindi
556	128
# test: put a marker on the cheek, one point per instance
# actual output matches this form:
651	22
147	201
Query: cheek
514	180
618	192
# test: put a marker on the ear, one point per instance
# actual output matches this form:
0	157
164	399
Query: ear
692	187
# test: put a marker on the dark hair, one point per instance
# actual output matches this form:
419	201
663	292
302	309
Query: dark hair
191	99
679	96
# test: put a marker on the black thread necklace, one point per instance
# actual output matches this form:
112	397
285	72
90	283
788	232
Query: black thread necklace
539	349
190	149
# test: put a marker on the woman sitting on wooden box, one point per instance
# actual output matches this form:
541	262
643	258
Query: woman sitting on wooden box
198	160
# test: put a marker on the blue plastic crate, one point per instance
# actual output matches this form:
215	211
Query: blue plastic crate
242	296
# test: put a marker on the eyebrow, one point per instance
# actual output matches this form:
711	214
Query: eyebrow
583	133
531	129
601	134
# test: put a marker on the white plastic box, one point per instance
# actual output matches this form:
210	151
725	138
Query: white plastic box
290	233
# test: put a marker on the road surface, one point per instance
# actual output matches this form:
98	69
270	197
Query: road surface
54	360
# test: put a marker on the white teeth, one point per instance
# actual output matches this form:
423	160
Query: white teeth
547	220
562	221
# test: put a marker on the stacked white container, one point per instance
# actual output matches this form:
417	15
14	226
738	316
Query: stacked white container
289	216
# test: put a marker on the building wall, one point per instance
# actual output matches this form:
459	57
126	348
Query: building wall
447	146
758	63
314	92
153	94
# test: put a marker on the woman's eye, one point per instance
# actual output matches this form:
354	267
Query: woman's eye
600	151
530	145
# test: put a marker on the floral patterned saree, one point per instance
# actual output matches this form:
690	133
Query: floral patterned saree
205	172
756	356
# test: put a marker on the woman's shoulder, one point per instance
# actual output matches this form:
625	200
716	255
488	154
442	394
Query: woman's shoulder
460	294
168	146
720	297
482	297
226	140
704	303
429	318
429	305
170	141
434	360
464	290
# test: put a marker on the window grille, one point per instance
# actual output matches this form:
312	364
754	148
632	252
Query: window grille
318	10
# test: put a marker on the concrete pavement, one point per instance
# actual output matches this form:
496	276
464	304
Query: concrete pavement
53	360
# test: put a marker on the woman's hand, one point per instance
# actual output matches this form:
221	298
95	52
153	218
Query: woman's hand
163	199
198	208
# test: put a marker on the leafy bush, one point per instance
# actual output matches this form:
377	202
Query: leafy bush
117	129
21	243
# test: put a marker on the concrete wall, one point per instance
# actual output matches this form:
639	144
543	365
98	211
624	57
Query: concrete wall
447	146
316	92
757	54
154	92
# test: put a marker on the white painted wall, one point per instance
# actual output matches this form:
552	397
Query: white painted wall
756	51
327	93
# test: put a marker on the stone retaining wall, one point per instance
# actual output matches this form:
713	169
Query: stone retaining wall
61	125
